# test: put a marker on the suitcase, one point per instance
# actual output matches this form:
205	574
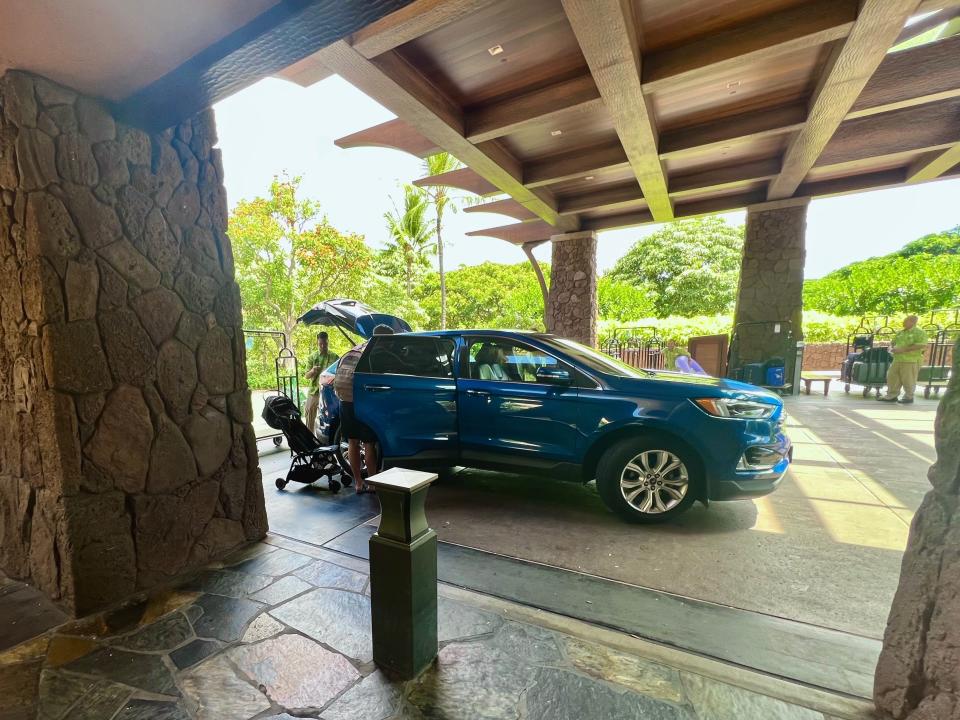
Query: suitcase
754	373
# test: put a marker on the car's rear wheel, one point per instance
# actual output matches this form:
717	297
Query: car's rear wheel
648	480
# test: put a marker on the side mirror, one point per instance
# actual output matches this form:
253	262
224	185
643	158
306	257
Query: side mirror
553	375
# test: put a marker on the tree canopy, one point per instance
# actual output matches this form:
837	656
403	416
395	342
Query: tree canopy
489	295
689	267
923	275
289	257
411	238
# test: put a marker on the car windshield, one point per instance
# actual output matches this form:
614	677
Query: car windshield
595	360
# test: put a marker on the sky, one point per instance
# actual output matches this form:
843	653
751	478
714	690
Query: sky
277	127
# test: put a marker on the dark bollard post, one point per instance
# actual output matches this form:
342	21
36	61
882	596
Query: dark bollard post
403	574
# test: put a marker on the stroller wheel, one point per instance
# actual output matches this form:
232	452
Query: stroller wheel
334	486
277	441
281	483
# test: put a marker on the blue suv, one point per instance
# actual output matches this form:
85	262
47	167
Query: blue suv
531	402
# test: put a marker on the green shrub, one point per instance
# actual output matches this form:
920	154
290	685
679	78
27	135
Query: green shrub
673	330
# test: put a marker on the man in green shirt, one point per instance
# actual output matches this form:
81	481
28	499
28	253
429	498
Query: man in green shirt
318	361
907	348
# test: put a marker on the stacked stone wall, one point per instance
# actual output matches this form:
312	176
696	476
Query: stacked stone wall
572	301
917	677
824	356
126	450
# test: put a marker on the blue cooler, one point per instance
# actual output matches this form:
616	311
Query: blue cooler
776	376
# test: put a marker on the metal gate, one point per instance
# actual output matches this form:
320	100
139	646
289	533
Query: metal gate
639	347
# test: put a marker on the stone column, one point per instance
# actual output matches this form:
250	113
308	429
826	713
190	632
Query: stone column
917	677
572	302
127	454
771	280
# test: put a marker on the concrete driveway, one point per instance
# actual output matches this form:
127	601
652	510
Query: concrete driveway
824	549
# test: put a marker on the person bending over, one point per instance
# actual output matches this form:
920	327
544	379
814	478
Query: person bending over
356	432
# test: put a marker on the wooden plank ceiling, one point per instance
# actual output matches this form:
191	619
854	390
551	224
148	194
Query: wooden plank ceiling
596	114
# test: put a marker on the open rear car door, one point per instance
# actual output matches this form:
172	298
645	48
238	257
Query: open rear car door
352	318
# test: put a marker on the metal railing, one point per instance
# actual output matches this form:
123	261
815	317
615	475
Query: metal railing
639	347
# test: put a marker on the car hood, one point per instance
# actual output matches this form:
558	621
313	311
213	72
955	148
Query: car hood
351	316
702	385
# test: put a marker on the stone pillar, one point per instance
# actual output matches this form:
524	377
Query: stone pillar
771	281
127	454
572	302
917	677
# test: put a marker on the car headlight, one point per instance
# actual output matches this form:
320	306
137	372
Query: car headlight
736	408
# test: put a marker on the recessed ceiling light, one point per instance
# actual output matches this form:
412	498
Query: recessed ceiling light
556	132
589	177
495	50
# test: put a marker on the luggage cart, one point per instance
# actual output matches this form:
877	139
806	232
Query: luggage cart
870	371
936	375
858	341
285	371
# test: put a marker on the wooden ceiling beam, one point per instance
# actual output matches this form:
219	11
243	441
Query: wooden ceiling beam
619	220
810	24
877	26
395	134
394	83
463	179
515	114
926	73
681	187
406	24
416	19
934	164
578	163
916	87
822	188
518	233
506	206
728	176
852	184
736	128
607	33
724	203
602	199
925	127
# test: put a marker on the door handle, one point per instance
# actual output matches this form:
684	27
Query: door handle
478	393
377	388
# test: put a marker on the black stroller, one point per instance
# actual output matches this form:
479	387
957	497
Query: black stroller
311	460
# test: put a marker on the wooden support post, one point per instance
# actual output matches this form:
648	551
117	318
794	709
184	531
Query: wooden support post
403	575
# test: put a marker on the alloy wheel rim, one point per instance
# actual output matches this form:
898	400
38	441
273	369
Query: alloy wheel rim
654	482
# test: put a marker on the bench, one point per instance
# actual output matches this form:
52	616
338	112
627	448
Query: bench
809	378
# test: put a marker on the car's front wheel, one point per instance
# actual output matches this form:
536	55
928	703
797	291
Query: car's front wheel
648	480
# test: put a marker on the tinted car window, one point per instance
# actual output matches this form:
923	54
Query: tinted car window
405	355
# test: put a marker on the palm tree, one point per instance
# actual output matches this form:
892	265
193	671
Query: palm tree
410	234
440	197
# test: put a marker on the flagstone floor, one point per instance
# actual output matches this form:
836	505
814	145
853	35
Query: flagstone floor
273	633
